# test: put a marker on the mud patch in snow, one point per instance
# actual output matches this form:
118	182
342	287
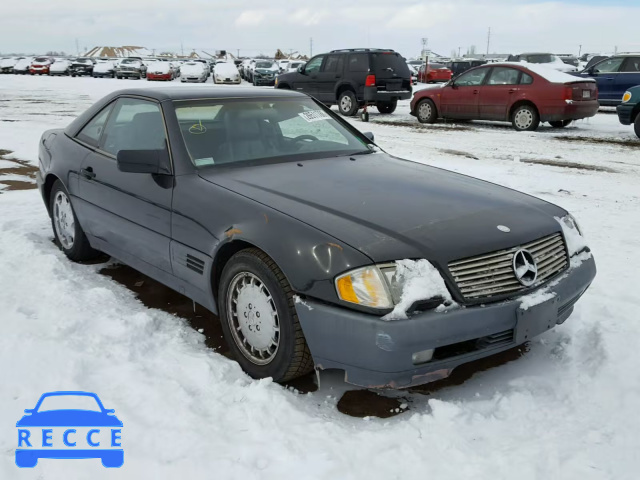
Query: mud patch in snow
564	164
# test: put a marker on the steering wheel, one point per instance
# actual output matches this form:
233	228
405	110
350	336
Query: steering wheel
305	137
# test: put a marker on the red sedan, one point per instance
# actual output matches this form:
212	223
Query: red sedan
433	72
40	66
524	95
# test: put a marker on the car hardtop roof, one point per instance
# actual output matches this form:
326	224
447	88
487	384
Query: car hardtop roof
196	93
366	50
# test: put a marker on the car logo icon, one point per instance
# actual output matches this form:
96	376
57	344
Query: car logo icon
525	267
57	428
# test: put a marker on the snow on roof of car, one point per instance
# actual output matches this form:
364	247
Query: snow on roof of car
548	73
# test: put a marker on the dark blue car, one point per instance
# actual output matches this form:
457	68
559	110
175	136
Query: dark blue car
35	430
614	75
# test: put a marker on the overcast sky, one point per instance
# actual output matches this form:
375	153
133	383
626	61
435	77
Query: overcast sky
255	26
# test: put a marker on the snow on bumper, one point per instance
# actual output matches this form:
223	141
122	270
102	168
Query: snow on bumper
378	354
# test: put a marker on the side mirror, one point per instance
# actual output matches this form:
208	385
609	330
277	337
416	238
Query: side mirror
109	411
28	410
369	135
144	161
301	69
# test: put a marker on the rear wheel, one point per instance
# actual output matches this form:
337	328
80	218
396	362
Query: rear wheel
347	103
387	107
636	125
426	111
259	318
525	118
68	233
560	123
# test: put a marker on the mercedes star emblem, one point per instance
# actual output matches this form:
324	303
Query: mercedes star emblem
525	268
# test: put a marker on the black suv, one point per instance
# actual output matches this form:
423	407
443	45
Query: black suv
353	78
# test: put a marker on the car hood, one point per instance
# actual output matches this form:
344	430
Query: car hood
73	418
390	209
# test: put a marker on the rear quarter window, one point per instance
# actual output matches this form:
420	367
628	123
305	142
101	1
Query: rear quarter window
382	61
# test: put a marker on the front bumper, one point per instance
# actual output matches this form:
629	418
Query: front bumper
624	113
129	74
262	81
379	354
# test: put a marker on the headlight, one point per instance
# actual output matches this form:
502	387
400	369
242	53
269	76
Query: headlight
365	286
403	285
626	97
573	235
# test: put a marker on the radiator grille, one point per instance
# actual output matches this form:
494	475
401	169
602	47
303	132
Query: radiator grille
492	274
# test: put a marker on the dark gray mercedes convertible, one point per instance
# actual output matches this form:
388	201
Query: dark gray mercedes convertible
313	246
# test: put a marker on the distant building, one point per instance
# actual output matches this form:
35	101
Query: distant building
125	51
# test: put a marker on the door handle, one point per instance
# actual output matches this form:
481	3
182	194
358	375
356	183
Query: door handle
475	92
513	90
87	173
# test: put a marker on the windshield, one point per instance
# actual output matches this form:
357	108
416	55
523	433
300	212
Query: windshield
540	58
235	132
130	60
69	402
264	65
41	59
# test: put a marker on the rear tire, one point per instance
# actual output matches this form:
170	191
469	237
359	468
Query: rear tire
426	111
636	125
387	107
560	123
525	118
259	318
67	231
347	103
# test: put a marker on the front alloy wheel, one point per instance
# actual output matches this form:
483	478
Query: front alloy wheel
259	318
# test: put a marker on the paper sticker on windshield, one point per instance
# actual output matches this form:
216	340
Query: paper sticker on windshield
314	115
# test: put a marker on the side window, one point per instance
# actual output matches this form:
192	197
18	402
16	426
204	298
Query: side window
359	62
526	79
611	65
631	64
92	131
334	63
314	65
472	78
503	76
134	125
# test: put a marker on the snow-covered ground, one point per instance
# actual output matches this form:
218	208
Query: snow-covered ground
566	409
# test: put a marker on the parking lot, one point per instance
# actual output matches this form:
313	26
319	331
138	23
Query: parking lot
568	411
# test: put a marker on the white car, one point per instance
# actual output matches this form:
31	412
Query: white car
7	64
294	66
22	65
226	73
193	71
104	68
60	67
547	59
283	65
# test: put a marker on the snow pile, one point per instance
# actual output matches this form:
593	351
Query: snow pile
575	241
227	70
549	73
159	67
103	66
535	298
420	280
194	69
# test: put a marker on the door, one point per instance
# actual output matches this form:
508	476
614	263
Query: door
605	74
497	93
307	81
131	212
329	75
460	100
629	76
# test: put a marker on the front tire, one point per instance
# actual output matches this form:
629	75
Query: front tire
387	107
525	118
636	125
426	111
67	231
347	103
259	318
